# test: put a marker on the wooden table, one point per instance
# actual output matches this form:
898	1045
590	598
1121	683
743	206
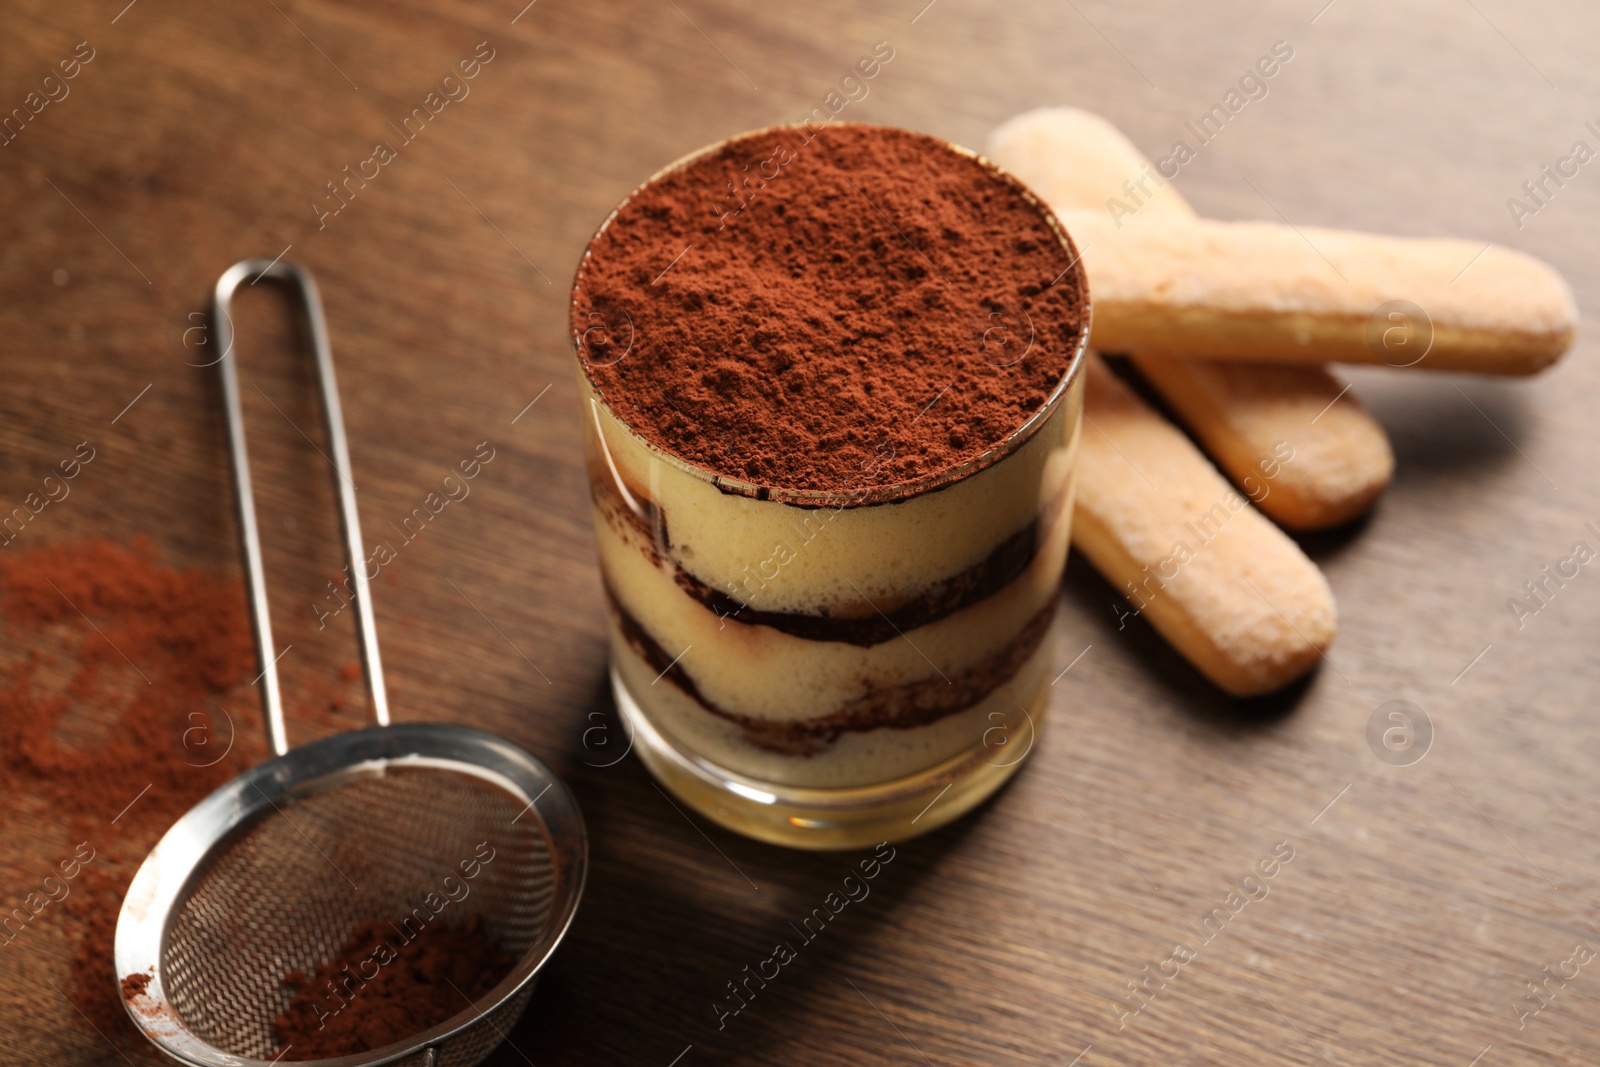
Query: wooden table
1420	899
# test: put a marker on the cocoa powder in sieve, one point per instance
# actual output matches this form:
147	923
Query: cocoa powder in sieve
799	306
383	987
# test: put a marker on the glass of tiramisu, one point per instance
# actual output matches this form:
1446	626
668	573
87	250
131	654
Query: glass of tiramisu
831	386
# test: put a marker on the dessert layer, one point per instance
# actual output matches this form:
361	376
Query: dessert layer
637	520
1002	723
877	623
779	307
909	560
897	707
762	672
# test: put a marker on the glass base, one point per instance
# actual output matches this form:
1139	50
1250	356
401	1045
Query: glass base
833	818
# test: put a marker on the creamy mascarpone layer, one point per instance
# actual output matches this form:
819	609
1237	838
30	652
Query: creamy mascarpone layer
1003	724
843	562
764	673
762	635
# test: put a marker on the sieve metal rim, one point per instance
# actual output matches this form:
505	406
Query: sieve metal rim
169	871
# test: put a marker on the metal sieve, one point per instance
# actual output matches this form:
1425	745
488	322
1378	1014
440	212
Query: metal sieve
417	823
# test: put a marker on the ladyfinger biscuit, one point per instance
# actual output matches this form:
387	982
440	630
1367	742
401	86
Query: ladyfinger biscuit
1244	414
1275	293
1227	588
1300	446
1077	161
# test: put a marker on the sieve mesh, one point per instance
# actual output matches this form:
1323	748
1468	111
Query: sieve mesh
288	890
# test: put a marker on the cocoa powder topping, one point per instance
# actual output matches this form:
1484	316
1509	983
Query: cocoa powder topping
828	309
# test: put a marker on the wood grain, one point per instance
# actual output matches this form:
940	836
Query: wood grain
1419	900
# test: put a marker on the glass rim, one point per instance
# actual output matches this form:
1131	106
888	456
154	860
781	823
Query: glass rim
891	492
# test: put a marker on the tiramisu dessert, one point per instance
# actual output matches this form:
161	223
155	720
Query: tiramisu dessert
830	383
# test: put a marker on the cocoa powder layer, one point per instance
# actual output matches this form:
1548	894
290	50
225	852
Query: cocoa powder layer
828	309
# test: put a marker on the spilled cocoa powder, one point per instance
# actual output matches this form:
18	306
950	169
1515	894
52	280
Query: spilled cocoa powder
823	309
134	986
125	698
115	673
382	988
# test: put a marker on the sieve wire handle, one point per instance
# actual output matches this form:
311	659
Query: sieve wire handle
250	534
